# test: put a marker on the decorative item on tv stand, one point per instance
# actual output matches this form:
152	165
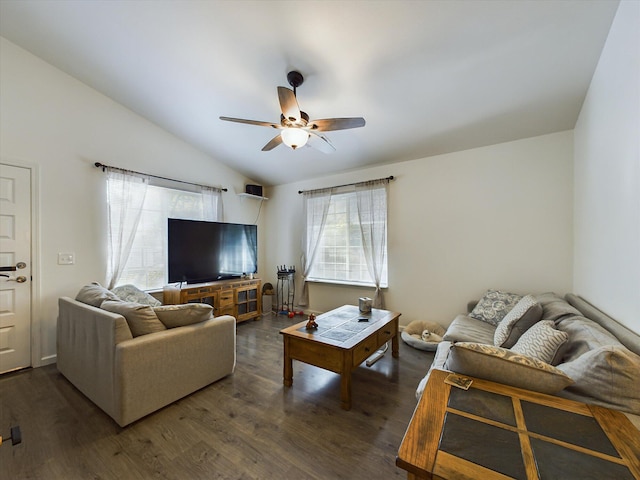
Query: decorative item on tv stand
286	291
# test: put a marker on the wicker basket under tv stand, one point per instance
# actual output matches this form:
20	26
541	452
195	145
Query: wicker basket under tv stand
237	297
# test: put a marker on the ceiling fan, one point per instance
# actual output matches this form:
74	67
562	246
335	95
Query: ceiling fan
295	127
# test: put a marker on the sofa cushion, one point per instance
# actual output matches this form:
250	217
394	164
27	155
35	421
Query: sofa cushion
607	376
467	329
494	305
503	366
584	335
542	341
141	319
173	316
522	316
94	294
555	307
131	293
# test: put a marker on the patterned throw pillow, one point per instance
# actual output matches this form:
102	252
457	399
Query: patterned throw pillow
131	293
542	341
494	305
521	317
503	366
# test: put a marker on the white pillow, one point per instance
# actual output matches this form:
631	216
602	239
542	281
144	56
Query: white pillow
542	341
131	293
521	317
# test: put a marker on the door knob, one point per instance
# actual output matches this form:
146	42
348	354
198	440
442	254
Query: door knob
12	268
20	279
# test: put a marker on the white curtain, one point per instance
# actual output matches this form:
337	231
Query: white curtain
211	204
372	216
126	192
315	208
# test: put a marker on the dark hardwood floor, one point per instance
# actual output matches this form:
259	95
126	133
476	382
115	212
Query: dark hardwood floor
245	426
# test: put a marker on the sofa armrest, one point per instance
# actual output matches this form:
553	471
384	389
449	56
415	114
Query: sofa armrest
85	345
154	370
440	358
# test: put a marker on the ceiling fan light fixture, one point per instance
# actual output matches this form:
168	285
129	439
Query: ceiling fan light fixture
294	137
295	128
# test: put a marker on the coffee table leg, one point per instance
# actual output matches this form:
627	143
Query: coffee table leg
288	365
395	353
345	389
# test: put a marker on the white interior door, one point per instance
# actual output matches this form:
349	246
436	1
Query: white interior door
15	268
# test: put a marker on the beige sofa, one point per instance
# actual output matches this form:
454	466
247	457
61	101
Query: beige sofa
129	377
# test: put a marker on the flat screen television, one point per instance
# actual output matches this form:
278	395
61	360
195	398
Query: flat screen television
202	251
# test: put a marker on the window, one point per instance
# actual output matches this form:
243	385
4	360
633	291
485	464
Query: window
145	264
341	256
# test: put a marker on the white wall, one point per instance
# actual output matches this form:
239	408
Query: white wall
607	176
61	127
491	217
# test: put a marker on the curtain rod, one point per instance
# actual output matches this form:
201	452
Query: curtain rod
103	166
347	184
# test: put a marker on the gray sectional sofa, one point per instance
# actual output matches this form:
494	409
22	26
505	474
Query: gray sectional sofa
596	360
132	359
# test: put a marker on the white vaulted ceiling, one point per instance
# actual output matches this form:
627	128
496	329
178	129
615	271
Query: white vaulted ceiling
429	77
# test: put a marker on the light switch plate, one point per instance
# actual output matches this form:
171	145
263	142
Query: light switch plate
66	258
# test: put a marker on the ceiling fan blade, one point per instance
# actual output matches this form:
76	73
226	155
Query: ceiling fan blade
289	104
251	122
320	142
273	143
328	124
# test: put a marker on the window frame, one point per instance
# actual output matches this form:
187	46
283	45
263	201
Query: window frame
140	252
313	276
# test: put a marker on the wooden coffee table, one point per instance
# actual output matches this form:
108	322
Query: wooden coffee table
340	343
494	431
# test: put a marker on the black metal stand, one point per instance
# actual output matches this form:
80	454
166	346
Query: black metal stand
286	289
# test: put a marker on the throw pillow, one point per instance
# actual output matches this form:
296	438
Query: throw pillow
542	341
503	366
526	312
494	305
131	293
185	314
94	294
141	319
607	376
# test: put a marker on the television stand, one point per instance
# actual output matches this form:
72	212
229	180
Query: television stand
237	297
